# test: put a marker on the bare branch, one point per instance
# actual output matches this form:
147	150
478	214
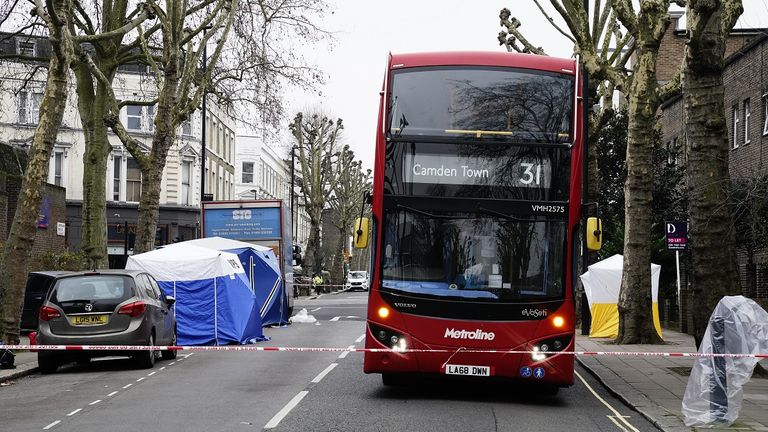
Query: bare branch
512	23
626	14
671	87
118	32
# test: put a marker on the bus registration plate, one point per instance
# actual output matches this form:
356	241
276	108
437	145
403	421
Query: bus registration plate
468	370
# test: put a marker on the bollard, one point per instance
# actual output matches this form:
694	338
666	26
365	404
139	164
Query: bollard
718	381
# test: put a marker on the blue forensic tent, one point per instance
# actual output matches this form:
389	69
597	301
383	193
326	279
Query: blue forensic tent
263	271
214	302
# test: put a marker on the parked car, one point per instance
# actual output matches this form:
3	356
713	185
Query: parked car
357	280
38	285
105	307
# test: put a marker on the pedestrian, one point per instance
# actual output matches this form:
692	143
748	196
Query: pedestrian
317	281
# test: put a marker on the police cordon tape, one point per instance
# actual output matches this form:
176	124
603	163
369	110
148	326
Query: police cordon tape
373	350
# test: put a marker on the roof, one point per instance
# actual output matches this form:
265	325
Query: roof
483	58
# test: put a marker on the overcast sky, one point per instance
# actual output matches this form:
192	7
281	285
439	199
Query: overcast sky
354	67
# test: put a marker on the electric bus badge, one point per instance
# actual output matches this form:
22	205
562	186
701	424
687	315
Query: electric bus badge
465	334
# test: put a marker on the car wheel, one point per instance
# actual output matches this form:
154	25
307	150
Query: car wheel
47	363
171	354
146	359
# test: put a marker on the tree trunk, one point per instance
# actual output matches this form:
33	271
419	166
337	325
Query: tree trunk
93	109
313	246
340	261
152	175
15	255
715	272
635	316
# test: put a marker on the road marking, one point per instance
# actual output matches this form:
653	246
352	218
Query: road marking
322	374
344	354
360	339
315	309
162	368
335	318
286	409
615	412
126	386
141	379
74	412
112	394
616	422
95	402
152	374
52	425
171	363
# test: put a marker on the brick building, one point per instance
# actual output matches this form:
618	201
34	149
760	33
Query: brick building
745	79
50	237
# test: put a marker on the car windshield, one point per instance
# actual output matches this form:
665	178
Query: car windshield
357	275
93	288
483	103
469	256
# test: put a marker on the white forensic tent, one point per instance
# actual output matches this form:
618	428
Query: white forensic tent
602	283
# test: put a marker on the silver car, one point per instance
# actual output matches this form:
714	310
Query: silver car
105	307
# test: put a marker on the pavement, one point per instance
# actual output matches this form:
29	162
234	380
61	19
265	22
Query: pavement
25	362
654	386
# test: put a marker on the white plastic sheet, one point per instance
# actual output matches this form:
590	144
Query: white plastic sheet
302	317
714	394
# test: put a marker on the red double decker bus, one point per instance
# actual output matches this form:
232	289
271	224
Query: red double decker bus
475	211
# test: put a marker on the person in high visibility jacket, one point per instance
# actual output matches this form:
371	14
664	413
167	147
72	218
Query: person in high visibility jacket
317	281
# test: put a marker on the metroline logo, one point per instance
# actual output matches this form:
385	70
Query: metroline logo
465	334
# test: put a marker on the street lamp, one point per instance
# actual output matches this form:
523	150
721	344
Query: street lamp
255	192
202	140
293	178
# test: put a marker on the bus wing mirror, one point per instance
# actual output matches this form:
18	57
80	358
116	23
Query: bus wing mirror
594	233
360	234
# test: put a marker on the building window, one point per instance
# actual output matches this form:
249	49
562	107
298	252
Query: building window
735	125
26	48
186	127
133	113
133	181
149	120
140	118
58	168
186	183
248	172
747	113
765	114
29	106
118	165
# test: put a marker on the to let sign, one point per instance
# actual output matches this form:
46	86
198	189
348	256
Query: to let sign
677	235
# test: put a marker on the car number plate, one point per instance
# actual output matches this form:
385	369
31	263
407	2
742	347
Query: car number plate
89	320
468	370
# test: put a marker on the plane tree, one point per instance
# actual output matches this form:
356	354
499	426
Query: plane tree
317	153
645	26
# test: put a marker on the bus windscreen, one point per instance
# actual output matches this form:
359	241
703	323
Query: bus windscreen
470	256
482	103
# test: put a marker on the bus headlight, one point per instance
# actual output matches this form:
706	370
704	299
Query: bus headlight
389	338
549	346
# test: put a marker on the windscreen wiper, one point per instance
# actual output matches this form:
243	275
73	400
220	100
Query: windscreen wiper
427	214
513	218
